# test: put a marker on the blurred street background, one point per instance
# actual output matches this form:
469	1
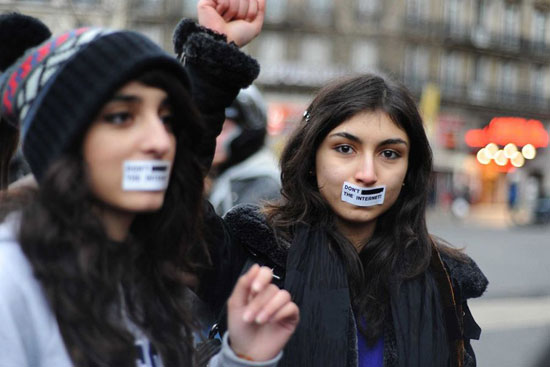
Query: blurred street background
480	71
514	313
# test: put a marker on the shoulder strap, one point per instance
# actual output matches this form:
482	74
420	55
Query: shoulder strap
452	311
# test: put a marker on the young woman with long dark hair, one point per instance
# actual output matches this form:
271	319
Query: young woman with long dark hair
96	263
349	239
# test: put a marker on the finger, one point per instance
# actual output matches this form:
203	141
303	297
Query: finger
258	21
232	10
258	302
280	299
252	10
287	316
222	6
243	9
239	296
261	279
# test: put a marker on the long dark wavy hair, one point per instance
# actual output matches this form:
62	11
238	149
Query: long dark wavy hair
93	283
400	247
9	138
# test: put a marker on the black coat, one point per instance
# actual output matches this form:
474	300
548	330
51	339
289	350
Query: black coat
244	237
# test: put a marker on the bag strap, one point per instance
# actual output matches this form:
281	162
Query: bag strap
452	311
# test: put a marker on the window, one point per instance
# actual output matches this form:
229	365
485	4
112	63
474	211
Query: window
367	8
275	11
316	51
271	48
416	66
481	13
453	16
538	90
364	56
539	26
321	11
190	7
451	73
86	2
481	79
417	9
511	24
508	80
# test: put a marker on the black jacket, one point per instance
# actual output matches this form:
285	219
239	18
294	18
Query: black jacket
218	71
244	237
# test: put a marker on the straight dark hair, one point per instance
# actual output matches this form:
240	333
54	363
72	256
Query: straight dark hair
9	139
400	247
92	283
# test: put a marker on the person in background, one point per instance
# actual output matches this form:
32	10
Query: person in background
18	32
244	170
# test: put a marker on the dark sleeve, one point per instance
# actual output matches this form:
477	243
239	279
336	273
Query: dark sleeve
227	257
468	282
217	70
471	331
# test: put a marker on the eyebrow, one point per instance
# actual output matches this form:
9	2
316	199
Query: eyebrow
346	136
391	141
125	98
129	98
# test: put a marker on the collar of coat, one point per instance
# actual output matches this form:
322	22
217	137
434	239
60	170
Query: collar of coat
248	227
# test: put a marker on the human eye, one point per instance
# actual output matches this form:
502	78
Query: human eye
168	119
117	118
344	149
390	154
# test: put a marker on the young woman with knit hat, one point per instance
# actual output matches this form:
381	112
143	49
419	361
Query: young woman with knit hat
96	263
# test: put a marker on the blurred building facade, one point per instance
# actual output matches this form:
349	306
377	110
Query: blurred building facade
155	18
466	61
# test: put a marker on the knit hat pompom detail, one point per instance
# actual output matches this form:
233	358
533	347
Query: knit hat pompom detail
18	32
55	90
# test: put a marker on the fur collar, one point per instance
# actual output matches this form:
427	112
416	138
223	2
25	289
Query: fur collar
249	227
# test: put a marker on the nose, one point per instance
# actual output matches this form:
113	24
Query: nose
366	171
157	140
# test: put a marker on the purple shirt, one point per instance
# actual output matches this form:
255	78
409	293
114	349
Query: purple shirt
370	356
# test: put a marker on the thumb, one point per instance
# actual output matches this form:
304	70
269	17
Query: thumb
242	289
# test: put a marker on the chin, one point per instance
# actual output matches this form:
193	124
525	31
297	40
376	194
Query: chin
358	215
144	202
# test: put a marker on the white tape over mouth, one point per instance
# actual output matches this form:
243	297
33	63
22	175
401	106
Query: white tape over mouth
151	175
363	196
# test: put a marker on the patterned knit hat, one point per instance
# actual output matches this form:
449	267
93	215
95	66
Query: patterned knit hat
55	90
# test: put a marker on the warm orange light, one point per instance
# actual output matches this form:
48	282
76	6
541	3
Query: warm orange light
510	149
482	157
517	160
490	150
504	130
500	158
529	151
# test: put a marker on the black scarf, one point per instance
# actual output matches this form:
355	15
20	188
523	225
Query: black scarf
420	332
318	283
317	280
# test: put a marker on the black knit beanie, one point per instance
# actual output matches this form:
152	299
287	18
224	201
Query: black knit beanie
55	90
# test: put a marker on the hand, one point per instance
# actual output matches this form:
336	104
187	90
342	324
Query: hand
240	20
261	317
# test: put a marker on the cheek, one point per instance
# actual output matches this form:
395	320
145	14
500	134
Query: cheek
394	186
173	147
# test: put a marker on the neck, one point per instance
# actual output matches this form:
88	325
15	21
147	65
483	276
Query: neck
117	223
357	233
